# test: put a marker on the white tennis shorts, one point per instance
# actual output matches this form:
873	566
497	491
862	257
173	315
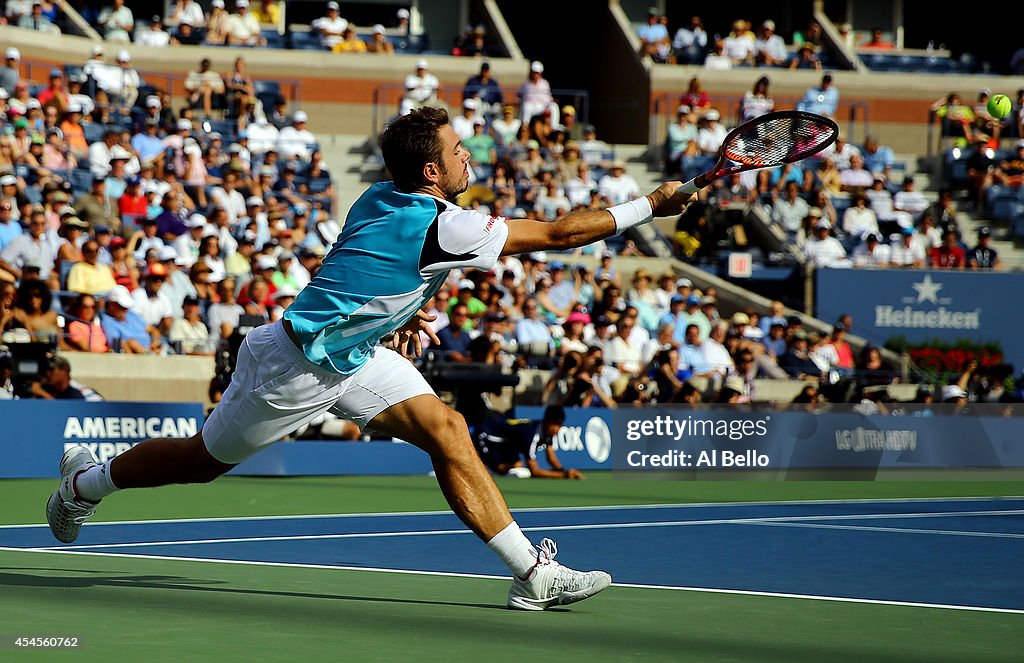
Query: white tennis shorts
275	390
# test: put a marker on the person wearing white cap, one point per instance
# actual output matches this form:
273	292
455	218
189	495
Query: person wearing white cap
187	11
263	136
119	82
294	142
117	22
124	328
10	73
186	246
155	36
420	88
218	23
712	133
243	27
330	27
618	186
227	196
770	48
402	241
535	94
463	124
823	250
379	42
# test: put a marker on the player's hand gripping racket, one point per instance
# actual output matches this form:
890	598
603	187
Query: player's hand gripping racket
767	141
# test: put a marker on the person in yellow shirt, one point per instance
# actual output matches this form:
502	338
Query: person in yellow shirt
349	43
91	277
267	12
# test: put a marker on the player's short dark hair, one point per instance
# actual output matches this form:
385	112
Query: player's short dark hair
554	414
410	142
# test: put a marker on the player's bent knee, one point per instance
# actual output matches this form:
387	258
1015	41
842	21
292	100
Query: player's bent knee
205	468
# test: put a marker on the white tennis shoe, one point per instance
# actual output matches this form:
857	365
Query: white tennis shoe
549	583
65	511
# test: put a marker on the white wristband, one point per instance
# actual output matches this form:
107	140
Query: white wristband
633	213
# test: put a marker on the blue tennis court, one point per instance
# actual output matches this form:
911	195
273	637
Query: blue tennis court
951	553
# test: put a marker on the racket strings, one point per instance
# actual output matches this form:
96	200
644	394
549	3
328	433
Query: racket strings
779	140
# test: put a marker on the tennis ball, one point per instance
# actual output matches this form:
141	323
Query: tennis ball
999	106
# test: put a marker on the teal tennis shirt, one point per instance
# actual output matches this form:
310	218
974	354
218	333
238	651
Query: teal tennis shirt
394	253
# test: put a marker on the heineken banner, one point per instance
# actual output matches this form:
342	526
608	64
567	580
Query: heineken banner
922	305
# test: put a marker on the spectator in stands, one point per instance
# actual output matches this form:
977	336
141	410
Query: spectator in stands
189	331
420	89
188	12
797	361
813	36
148	145
535	94
117	22
957	118
185	35
9	228
82	329
757	101
56	383
532	333
485	89
739	45
350	43
690	43
32	248
36	20
859	220
983	256
257	290
625	351
54	95
242	27
711	134
823	250
618	187
770	48
223	315
33	310
717	59
331	28
908	251
268	13
507	126
201	85
654	39
856	178
379	42
879	159
483	155
152	305
218	25
125	330
909	200
877	41
822	99
950	255
463	124
155	36
10	73
790	210
89	276
872	253
593	149
454	337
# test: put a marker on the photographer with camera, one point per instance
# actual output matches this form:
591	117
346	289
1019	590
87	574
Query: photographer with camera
511	446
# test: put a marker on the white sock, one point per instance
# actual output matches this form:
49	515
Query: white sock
512	546
94	484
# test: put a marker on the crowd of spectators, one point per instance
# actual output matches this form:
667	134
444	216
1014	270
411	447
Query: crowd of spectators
849	206
129	225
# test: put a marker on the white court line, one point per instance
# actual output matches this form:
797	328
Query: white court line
542	509
538	528
711	590
903	530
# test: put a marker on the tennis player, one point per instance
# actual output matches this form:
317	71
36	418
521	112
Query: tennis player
399	242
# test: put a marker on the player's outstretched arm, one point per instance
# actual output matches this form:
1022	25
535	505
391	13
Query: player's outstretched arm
585	226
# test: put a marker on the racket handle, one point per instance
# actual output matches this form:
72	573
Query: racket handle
691	186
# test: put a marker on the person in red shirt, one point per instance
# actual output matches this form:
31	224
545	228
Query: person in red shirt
843	350
950	255
132	202
55	95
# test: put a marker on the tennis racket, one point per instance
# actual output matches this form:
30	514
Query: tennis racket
771	140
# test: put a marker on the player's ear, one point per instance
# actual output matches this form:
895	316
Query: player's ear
431	173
